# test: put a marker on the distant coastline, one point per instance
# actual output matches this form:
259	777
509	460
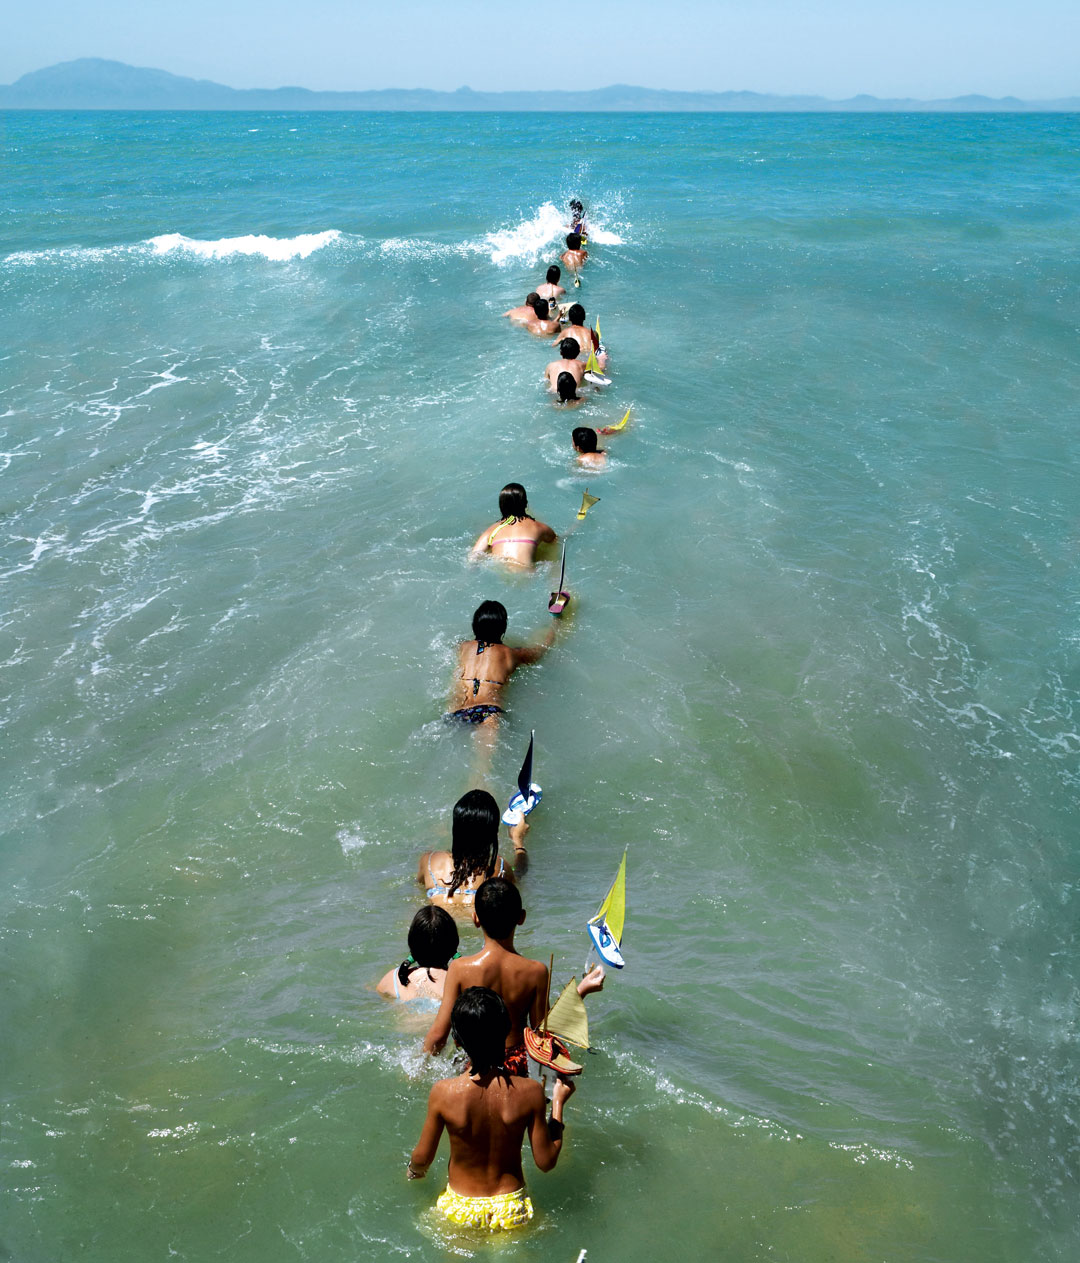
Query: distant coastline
92	83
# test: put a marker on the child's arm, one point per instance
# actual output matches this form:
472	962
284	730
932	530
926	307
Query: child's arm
480	547
428	1145
439	1031
529	654
521	855
545	1138
593	981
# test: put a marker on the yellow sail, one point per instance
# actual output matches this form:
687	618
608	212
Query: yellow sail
591	365
611	429
587	502
613	909
567	1017
599	335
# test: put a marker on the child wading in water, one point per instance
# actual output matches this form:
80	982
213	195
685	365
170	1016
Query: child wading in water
522	984
487	1114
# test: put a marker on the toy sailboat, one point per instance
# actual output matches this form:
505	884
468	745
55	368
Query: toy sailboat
560	597
527	794
587	502
614	429
564	1023
606	928
592	372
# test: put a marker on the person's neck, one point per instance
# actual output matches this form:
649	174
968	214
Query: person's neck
507	944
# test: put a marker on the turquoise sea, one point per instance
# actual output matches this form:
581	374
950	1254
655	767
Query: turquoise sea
821	677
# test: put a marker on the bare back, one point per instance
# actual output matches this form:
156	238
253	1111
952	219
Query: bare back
514	540
486	1117
522	984
574	367
582	336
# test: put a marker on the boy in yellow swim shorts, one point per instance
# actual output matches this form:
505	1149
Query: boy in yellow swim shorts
487	1113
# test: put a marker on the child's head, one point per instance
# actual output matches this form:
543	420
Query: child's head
480	1024
512	500
489	622
531	299
573	241
576	206
433	940
566	386
584	440
498	908
569	349
554	273
543	311
475	836
576	314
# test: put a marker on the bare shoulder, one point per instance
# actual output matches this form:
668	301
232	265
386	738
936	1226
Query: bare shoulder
529	1093
538	971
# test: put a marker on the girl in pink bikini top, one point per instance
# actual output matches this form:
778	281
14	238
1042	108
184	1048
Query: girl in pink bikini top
516	536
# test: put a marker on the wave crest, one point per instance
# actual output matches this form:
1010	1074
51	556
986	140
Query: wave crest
278	249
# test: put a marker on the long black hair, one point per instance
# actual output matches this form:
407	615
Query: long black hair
475	846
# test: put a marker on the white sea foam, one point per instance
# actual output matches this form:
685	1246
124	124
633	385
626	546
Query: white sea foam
278	249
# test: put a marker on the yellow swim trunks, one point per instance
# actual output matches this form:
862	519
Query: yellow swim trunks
507	1210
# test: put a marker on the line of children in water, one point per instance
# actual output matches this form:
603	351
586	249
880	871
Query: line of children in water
483	1001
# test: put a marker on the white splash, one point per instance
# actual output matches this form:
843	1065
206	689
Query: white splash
528	240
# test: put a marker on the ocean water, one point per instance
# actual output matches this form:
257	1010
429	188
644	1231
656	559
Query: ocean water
821	677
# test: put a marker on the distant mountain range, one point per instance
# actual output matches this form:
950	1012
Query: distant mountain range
94	84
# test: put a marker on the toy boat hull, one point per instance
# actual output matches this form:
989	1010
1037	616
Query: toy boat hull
606	947
520	806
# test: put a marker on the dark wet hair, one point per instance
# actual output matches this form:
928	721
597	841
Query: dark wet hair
531	299
498	907
543	311
554	273
480	1023
489	622
584	439
433	940
512	500
475	845
566	387
575	205
576	314
569	349
573	241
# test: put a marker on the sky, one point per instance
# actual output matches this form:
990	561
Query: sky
832	48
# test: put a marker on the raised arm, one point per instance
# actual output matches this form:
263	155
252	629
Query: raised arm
521	855
546	1138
